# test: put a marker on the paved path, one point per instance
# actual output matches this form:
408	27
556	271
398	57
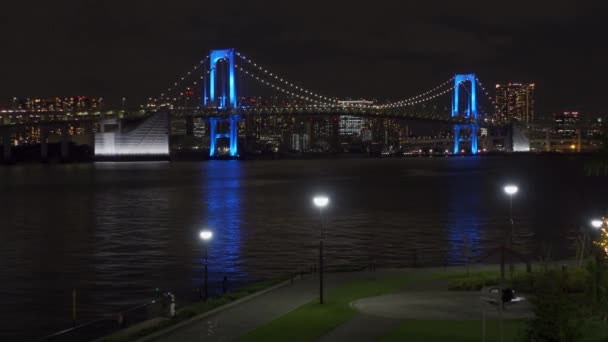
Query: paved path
239	320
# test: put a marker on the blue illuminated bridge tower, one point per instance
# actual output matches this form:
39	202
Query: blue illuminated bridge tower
466	109
222	95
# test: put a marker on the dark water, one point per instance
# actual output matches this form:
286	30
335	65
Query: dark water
115	231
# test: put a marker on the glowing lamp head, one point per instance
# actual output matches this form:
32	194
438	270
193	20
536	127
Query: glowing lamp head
320	201
206	235
511	189
597	224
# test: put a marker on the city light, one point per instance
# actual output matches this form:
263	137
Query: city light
511	189
320	201
206	235
597	224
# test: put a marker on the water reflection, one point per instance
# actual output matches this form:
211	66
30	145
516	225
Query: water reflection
222	215
464	210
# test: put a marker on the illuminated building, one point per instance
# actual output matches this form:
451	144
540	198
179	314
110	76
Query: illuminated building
514	102
148	138
566	122
59	104
299	142
352	125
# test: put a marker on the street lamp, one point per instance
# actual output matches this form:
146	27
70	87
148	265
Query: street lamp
510	190
206	236
321	202
597	224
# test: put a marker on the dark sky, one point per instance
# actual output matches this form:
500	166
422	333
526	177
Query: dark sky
387	50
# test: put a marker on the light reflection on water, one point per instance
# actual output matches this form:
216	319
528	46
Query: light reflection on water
222	215
116	231
463	221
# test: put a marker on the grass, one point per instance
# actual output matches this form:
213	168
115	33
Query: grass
131	334
454	331
313	320
595	331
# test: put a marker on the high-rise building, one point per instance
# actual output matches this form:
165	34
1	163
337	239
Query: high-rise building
514	102
352	125
566	123
299	142
59	104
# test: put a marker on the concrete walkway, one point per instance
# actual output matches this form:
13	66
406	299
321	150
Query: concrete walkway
241	319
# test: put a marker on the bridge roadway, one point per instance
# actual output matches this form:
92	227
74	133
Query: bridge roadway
27	118
371	112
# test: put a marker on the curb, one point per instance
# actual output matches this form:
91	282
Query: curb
210	312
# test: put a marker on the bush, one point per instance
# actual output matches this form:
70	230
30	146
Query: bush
472	283
557	316
574	281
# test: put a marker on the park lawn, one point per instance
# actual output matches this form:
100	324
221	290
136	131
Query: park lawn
455	331
313	320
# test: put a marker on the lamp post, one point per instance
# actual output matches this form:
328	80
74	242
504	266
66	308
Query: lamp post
596	224
321	202
509	190
206	235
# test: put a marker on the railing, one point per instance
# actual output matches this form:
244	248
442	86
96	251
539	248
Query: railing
157	307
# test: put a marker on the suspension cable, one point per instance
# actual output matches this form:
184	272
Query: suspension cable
182	79
281	89
413	99
286	82
417	100
485	91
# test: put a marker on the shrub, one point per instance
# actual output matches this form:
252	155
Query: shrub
557	317
472	283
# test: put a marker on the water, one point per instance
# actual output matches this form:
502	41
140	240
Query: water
116	231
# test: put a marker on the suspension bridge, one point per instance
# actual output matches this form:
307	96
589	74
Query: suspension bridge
218	76
226	89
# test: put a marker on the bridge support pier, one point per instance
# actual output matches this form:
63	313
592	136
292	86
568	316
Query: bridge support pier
232	135
474	128
469	111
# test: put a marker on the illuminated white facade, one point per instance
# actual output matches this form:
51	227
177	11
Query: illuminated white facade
353	125
149	138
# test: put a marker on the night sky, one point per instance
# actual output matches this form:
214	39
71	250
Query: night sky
371	49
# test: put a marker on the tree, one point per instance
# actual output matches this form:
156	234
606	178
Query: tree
602	242
557	317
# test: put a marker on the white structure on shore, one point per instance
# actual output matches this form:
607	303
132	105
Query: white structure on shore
150	138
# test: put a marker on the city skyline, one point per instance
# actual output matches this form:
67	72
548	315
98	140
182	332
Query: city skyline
111	51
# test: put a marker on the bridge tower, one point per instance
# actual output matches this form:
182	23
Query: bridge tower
226	100
469	112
